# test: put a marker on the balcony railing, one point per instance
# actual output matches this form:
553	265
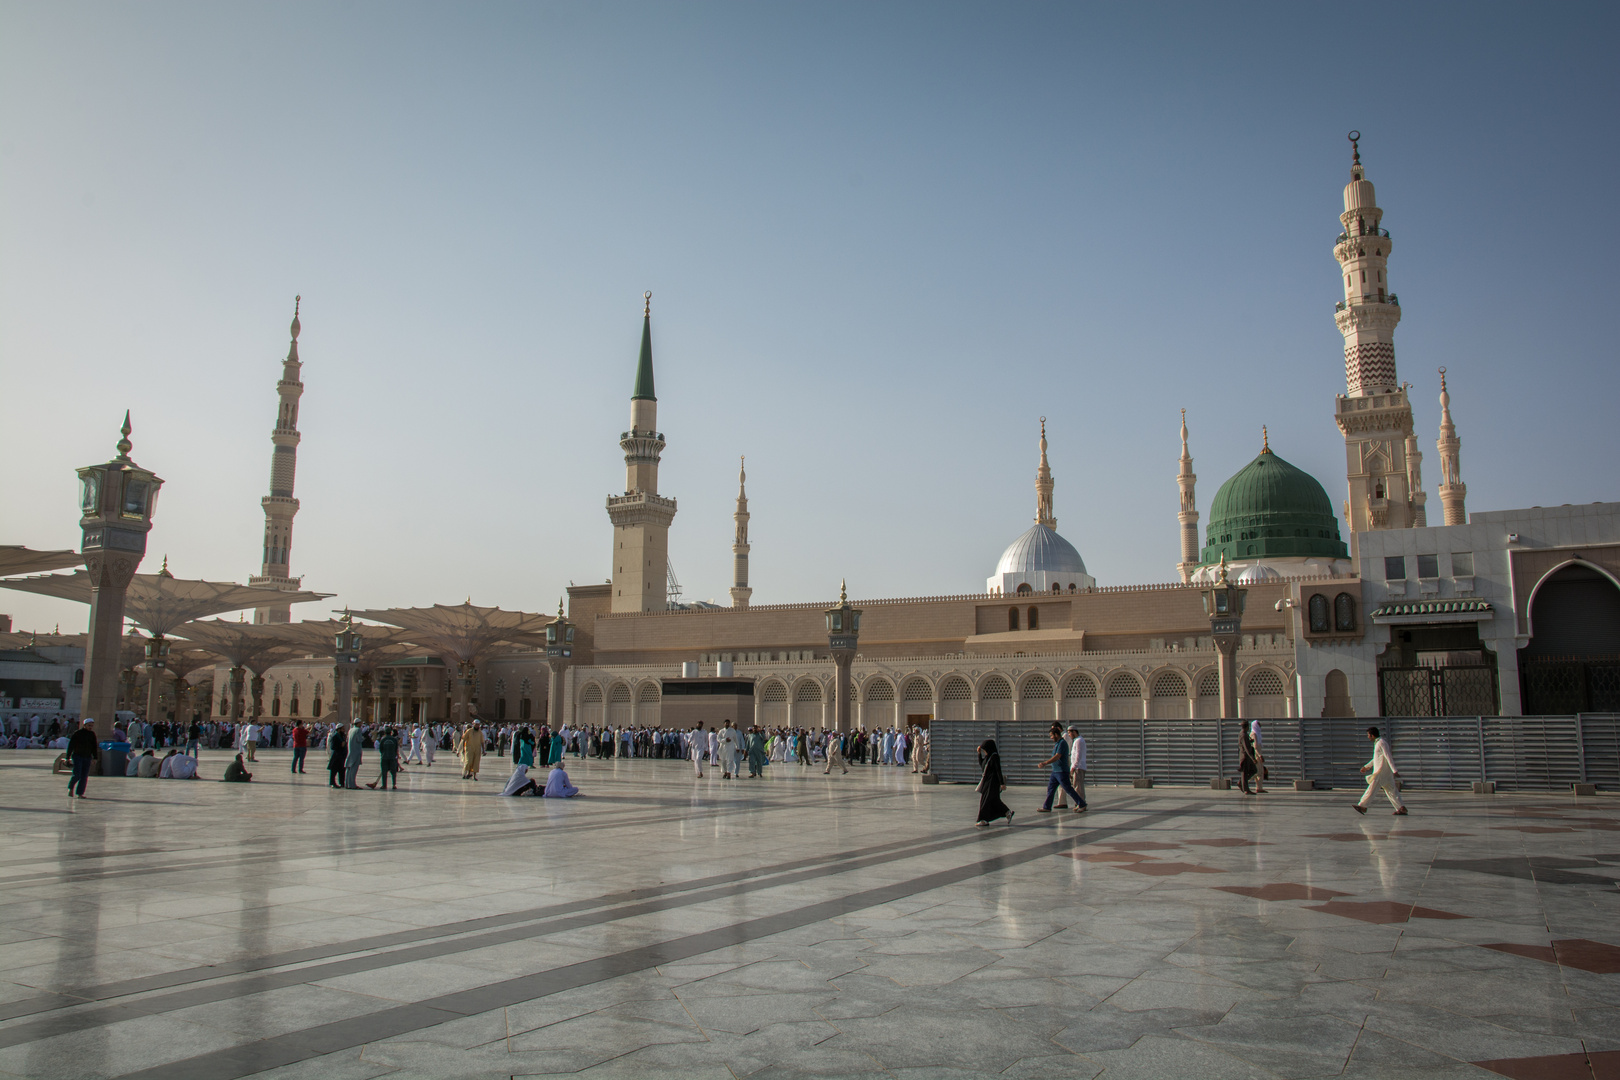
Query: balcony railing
1357	236
1390	299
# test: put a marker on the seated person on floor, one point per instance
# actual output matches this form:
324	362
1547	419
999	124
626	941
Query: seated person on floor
557	785
520	783
147	765
236	772
178	766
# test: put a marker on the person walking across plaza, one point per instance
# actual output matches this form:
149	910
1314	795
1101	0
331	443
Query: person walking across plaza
726	750
1060	774
1384	775
991	784
1248	758
835	753
337	756
193	739
250	740
1259	758
472	751
757	758
81	751
351	764
699	746
387	759
300	746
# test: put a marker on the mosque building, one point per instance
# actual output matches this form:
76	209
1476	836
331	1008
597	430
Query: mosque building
1392	617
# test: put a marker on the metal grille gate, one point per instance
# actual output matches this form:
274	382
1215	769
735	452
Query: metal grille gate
1444	691
1532	753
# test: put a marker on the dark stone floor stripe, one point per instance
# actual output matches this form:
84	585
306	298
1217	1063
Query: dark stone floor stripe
337	851
517	926
293	1047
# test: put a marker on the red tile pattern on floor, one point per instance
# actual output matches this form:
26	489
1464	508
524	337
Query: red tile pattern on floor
1347	837
1142	845
1544	953
1230	841
1605	1064
1593	956
1170	869
1108	856
1535	829
1550	1067
1381	911
1282	890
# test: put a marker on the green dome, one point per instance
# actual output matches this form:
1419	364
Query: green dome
1272	510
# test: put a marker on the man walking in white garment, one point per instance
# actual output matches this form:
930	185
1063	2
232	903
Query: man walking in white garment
1384	775
700	744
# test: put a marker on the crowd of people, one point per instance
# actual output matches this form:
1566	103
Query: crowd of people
726	748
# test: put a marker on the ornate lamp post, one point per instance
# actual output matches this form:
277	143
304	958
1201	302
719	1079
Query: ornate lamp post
157	659
346	653
559	651
117	501
843	635
1223	603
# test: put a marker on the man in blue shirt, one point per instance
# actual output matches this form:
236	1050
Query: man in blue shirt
1060	774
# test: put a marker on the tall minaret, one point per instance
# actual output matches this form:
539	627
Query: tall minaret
640	516
1043	486
279	505
1452	489
1186	479
1382	460
740	592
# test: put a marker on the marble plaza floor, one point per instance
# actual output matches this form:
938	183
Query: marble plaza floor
798	926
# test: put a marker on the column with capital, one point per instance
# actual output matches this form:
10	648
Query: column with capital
559	654
843	637
116	503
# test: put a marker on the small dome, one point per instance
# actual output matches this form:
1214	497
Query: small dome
1258	573
1040	550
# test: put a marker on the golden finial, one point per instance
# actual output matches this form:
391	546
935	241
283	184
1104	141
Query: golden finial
1265	440
1355	147
843	593
646	311
1222	581
559	609
165	571
124	445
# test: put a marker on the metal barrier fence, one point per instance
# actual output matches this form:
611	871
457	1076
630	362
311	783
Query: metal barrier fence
1519	753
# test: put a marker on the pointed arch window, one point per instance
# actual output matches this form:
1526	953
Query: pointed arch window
1344	612
1319	614
1012	618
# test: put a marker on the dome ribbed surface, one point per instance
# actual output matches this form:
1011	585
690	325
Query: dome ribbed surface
1272	509
1040	550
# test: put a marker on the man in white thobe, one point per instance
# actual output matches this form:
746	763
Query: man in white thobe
1384	775
699	745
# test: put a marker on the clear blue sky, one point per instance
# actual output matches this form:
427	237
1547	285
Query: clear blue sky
882	239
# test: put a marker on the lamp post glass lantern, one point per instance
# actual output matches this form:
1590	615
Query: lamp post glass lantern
346	652
116	502
843	637
559	653
1223	603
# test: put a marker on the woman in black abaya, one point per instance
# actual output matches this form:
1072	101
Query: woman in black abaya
991	784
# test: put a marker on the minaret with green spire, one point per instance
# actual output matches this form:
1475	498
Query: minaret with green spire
641	517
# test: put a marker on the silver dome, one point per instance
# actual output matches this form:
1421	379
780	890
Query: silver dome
1040	551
